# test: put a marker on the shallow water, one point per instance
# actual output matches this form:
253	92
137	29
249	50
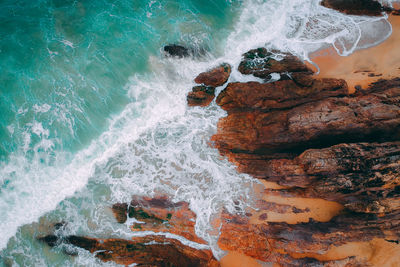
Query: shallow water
92	112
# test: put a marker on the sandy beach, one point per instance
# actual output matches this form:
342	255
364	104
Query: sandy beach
365	66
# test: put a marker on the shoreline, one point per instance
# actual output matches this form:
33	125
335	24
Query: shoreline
364	66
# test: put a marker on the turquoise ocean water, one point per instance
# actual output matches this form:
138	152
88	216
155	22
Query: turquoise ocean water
92	112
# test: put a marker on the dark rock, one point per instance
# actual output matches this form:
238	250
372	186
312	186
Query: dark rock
261	63
214	77
177	50
355	7
50	240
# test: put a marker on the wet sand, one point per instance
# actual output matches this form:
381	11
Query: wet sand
235	259
376	252
364	66
308	208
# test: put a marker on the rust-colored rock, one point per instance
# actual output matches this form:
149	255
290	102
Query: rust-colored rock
215	77
315	141
201	96
303	244
364	177
323	123
145	251
159	214
277	95
355	7
261	63
120	211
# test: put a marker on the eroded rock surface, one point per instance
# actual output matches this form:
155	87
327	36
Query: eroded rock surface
159	214
315	141
144	251
305	244
262	63
277	95
322	123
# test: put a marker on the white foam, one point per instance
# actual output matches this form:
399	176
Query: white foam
41	108
301	27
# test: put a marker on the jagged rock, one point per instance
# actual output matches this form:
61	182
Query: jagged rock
295	244
323	123
361	176
148	250
315	141
261	63
298	142
355	7
159	214
277	95
201	96
120	211
214	77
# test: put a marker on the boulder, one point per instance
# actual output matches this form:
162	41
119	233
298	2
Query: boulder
262	63
214	77
201	96
176	50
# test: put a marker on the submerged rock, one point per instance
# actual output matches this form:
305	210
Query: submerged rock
214	77
201	96
159	214
177	50
180	51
